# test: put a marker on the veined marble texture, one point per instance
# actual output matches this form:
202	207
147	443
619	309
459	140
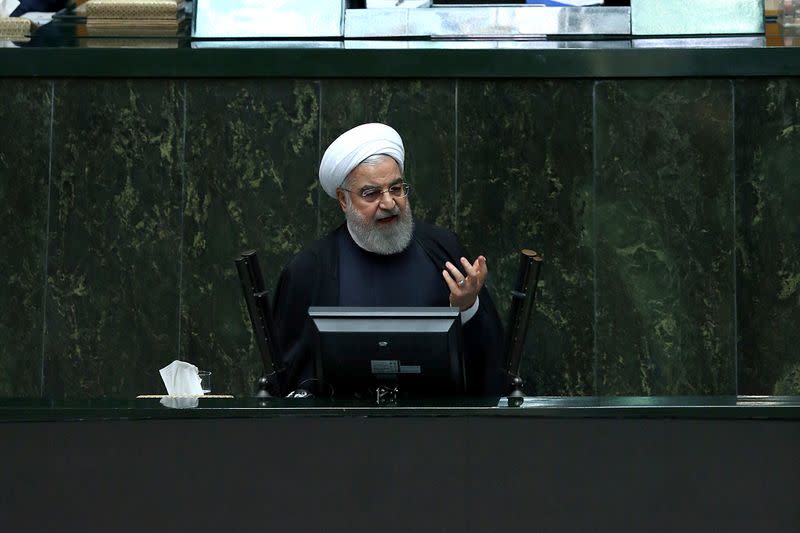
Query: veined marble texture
665	211
664	237
251	167
768	231
24	172
525	181
114	242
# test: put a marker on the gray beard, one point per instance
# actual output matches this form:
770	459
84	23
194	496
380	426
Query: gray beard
379	239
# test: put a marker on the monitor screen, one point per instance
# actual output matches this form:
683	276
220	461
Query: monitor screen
416	349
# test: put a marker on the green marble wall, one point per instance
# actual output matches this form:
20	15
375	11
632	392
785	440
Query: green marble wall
768	229
665	210
663	233
252	152
525	181
114	241
25	114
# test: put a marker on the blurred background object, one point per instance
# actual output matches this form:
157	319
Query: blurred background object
782	22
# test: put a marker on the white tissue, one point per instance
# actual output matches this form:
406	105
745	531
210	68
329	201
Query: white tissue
179	403
7	6
181	379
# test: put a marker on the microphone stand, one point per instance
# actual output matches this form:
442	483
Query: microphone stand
260	311
522	297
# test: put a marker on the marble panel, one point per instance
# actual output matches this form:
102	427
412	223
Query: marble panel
25	116
768	235
525	181
251	183
113	268
423	113
665	318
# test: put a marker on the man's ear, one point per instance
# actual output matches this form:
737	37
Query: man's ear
340	195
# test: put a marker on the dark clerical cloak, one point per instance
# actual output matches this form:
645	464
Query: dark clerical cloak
334	271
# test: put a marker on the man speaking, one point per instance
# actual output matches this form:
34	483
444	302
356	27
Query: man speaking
382	257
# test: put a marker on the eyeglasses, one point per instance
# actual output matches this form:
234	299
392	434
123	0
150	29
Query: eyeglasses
373	194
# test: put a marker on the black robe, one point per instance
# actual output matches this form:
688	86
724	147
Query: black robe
312	279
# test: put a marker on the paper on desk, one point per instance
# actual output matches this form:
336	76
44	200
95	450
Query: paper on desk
181	379
7	6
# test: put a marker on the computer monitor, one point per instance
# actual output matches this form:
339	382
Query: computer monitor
416	349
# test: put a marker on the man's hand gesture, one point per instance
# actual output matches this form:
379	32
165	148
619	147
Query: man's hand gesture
465	286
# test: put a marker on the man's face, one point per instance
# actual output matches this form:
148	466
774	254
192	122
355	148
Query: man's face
379	221
383	175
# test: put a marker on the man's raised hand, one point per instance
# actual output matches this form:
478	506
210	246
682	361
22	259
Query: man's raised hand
465	286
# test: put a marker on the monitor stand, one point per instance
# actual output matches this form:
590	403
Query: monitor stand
263	388
386	394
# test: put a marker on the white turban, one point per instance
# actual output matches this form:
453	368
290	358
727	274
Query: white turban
352	147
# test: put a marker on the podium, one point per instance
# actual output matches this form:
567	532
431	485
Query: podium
722	464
